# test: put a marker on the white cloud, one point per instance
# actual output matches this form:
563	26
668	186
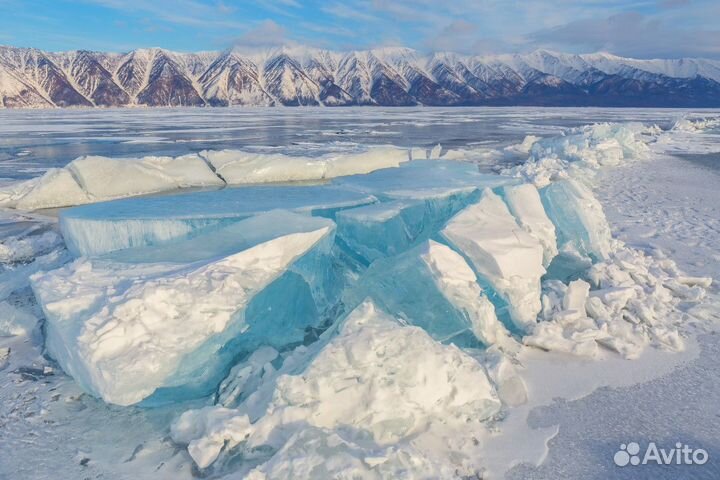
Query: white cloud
265	34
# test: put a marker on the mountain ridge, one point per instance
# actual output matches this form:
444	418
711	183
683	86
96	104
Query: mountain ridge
390	76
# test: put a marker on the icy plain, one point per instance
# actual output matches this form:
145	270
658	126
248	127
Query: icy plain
403	318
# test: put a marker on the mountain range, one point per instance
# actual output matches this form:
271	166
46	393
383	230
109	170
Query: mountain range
300	76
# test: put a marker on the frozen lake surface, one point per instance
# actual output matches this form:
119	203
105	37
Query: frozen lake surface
622	348
32	141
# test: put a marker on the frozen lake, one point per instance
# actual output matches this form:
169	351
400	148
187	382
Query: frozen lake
32	141
142	276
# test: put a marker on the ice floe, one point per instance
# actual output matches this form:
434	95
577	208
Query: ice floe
93	179
125	330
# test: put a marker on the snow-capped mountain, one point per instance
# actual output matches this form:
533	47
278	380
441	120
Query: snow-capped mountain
297	76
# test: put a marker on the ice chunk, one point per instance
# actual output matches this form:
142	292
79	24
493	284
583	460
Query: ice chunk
504	375
205	432
245	377
603	144
376	382
502	253
576	295
423	179
686	124
581	151
238	167
101	228
578	218
106	178
432	286
387	229
525	204
126	331
56	188
94	179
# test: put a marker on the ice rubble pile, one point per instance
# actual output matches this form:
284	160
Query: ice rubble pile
93	179
425	279
580	151
373	398
689	125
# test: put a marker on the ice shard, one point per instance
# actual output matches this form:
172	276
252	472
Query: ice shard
508	258
433	287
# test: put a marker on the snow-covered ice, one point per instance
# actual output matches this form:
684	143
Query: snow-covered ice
506	256
383	393
91	179
125	330
238	167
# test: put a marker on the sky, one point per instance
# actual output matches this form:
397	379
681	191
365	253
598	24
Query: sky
635	28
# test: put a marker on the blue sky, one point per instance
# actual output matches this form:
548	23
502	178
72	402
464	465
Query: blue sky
640	28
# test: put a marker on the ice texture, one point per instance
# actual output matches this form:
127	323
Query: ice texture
506	256
580	151
624	303
695	125
238	167
603	144
14	321
102	228
525	204
22	248
126	331
579	220
106	178
373	384
386	229
55	188
94	179
423	179
91	179
433	287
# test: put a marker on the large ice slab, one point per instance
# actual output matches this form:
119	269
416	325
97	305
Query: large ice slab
56	188
237	167
502	253
106	178
91	179
386	229
433	287
102	228
130	330
579	220
422	179
94	179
